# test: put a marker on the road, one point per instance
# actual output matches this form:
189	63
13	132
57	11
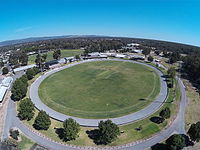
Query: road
177	126
143	113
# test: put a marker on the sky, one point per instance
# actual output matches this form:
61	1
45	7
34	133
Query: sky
170	20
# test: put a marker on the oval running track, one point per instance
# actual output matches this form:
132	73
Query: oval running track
143	113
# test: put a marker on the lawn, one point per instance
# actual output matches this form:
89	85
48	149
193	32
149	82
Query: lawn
130	133
25	143
103	89
64	53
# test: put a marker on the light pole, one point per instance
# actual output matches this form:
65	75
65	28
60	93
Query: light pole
107	110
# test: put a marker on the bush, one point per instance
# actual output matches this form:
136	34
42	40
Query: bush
194	132
26	109
71	129
5	70
176	142
165	113
42	121
14	134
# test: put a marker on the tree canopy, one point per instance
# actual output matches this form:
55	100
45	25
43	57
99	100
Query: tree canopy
26	109
194	131
176	142
42	121
5	70
165	113
56	54
108	131
19	88
71	129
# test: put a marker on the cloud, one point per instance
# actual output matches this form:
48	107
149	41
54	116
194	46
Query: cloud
22	29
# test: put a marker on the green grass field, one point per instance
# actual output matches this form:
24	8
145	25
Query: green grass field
25	143
100	89
64	53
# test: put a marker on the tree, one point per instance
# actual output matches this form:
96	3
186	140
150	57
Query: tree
194	132
24	79
176	142
9	144
42	121
165	113
146	51
71	129
23	58
172	73
40	60
30	73
150	58
174	57
108	132
77	57
5	70
19	89
14	134
26	109
57	54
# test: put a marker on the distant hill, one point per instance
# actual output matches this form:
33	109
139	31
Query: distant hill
34	39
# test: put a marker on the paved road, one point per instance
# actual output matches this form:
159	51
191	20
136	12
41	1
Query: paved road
147	111
177	126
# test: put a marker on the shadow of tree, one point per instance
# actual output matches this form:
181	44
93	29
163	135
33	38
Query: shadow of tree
142	99
159	146
94	135
60	133
157	120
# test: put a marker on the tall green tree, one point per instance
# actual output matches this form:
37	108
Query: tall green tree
194	132
42	121
176	142
57	54
108	131
172	73
19	89
26	109
40	60
23	58
146	51
71	129
30	73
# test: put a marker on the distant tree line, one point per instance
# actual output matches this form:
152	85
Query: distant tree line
191	66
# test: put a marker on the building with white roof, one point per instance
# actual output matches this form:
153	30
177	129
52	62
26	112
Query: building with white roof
24	68
3	91
4	86
7	81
